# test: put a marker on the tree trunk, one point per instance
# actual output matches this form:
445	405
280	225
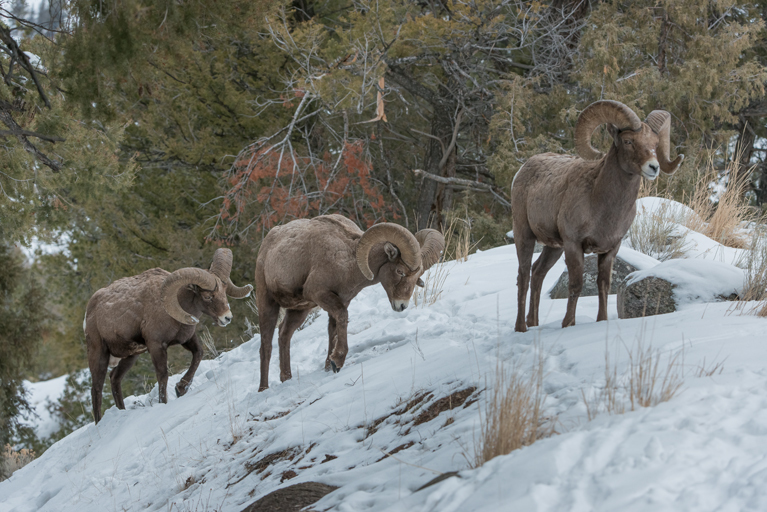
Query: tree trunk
433	197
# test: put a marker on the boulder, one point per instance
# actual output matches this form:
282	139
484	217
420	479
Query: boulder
292	498
621	269
674	283
646	297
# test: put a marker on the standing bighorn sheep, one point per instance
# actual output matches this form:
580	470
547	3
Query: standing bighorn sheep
150	312
326	262
587	204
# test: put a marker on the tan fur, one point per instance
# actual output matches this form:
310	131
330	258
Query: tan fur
310	263
127	318
578	206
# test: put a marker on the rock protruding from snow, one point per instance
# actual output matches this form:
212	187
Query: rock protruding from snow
646	297
666	287
621	269
626	262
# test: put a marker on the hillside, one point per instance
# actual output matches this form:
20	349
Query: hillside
224	445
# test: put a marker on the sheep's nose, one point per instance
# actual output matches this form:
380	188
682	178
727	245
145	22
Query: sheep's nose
403	307
654	168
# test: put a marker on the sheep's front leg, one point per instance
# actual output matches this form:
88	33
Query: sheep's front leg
574	261
336	309
159	353
542	265
194	345
292	321
332	338
604	277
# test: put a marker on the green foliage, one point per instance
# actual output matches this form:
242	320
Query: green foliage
22	324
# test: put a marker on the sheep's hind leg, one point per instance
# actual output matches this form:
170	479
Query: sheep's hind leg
604	277
268	313
525	246
194	345
98	362
116	377
574	260
541	267
294	318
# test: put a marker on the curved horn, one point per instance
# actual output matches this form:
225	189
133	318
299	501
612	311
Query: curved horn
410	250
177	280
222	267
599	113
660	122
432	244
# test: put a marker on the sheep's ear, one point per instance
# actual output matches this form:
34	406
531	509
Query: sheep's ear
613	130
419	282
391	251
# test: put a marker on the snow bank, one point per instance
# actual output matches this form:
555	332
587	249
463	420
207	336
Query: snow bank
39	395
695	280
223	445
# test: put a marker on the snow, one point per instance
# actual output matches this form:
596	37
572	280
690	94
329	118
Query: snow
697	245
695	280
39	395
703	450
636	259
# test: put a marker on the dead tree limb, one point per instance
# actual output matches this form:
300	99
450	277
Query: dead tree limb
462	184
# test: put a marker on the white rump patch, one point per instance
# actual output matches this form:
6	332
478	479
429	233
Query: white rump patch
84	319
113	361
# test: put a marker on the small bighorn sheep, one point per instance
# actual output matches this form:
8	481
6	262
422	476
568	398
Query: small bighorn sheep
150	312
587	204
326	262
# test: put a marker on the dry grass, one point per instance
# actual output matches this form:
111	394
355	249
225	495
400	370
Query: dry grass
14	460
754	264
512	416
650	379
208	345
654	234
457	247
722	221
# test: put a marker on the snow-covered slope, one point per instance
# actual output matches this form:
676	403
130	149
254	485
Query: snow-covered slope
224	445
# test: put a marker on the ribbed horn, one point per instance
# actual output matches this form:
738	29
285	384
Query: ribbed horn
432	244
599	113
222	267
660	122
410	250
177	280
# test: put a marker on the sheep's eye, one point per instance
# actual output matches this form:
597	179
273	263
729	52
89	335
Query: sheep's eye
627	142
207	298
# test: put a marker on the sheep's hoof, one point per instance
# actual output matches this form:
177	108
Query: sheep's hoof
180	392
336	369
520	327
262	388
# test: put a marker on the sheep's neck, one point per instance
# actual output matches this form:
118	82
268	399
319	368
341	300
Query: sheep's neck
614	186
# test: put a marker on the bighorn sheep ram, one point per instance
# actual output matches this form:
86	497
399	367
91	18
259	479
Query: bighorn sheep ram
587	204
326	262
150	312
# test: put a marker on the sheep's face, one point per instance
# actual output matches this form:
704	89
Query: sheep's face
637	151
397	279
214	302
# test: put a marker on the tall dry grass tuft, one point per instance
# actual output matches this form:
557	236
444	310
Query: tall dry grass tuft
754	265
649	380
13	460
722	221
513	413
457	247
656	234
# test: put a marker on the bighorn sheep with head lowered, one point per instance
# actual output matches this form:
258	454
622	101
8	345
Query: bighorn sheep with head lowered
150	312
587	204
326	262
